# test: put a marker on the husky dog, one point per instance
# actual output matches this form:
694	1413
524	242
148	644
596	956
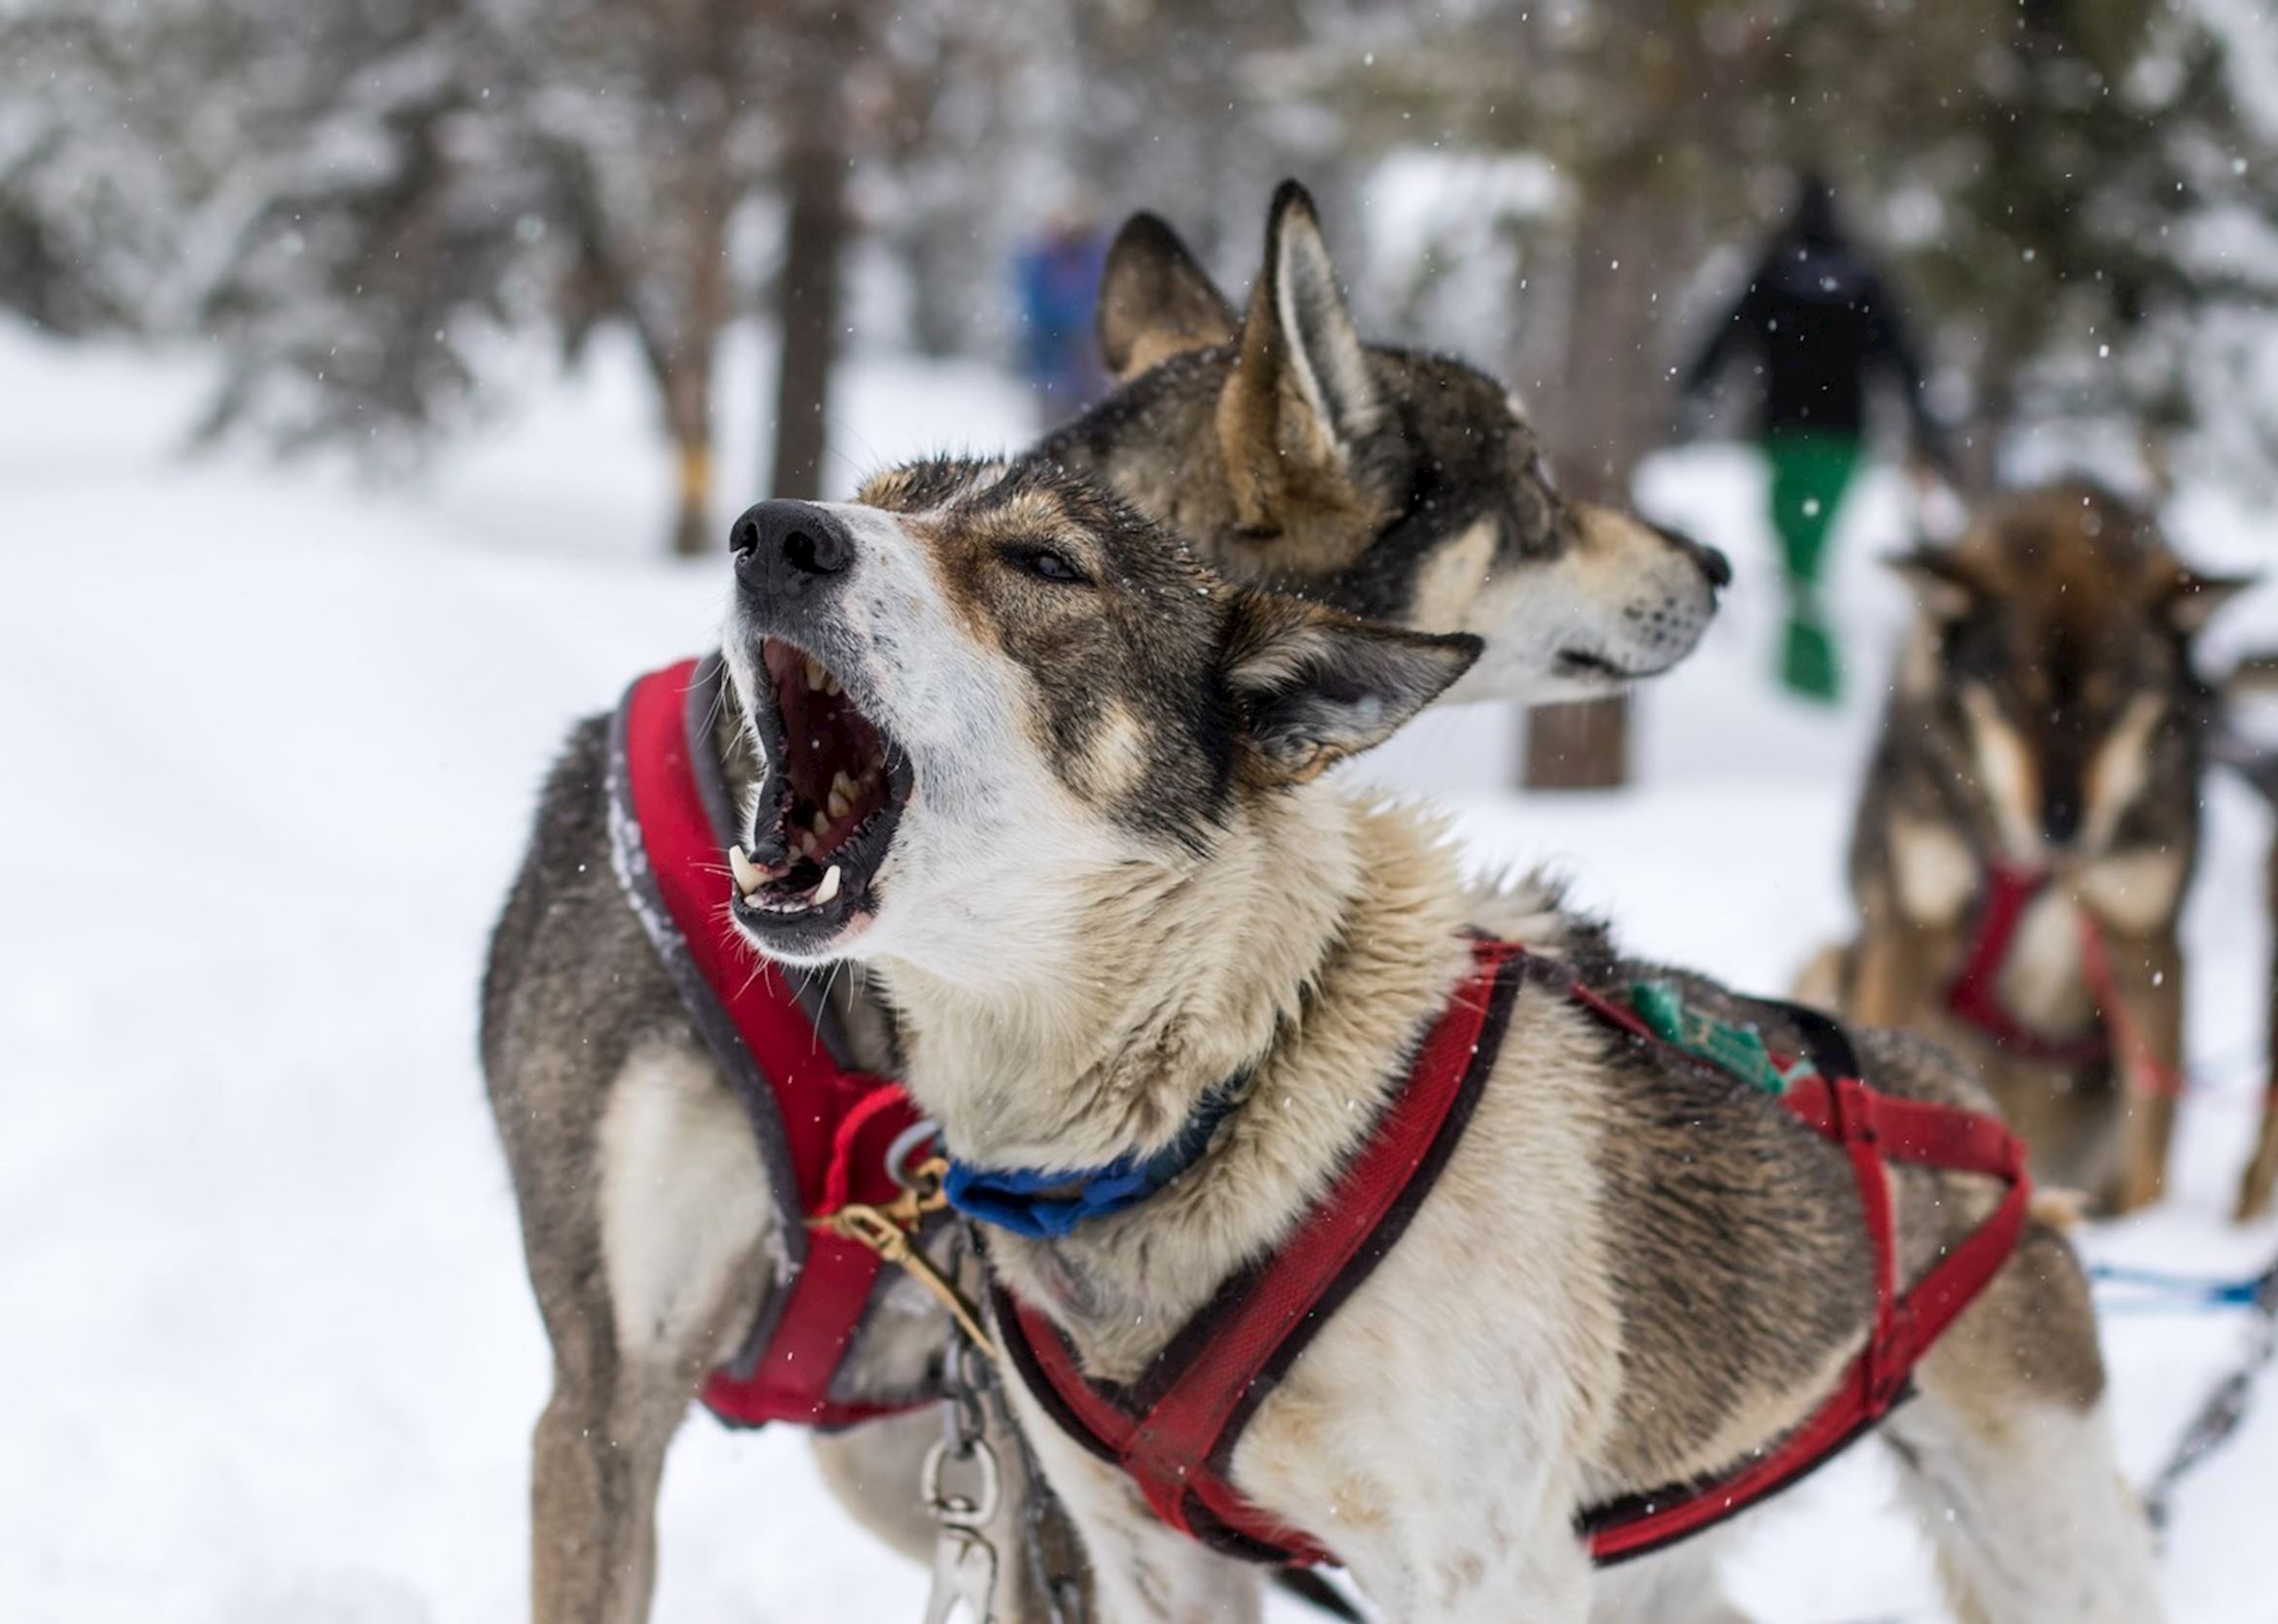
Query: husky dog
1284	448
2256	678
2046	733
1108	878
2261	1177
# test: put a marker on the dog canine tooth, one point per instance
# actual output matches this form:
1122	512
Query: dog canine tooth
829	888
748	878
831	688
816	676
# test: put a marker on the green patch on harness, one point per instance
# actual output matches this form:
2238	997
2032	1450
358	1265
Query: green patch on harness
1731	1045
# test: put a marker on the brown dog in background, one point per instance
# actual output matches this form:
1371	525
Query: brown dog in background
2029	823
2257	679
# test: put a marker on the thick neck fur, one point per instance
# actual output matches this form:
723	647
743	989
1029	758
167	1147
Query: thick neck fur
1315	945
1163	982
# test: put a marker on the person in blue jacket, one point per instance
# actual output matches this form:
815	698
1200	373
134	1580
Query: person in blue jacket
1058	287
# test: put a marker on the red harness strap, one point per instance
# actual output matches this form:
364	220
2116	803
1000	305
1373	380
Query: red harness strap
1874	1129
1175	1428
1976	994
825	1132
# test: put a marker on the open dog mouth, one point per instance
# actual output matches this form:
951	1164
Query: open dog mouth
835	789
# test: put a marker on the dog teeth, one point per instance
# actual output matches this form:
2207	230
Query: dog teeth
807	844
838	804
816	675
832	689
829	888
748	878
821	825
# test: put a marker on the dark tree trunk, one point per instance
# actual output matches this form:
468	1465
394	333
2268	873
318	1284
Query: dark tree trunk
1580	746
807	310
1604	414
682	350
688	413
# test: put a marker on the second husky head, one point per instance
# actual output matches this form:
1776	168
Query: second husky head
2052	669
1403	487
985	689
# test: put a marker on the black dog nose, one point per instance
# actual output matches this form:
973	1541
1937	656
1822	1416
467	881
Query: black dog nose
2063	812
1714	567
790	544
1708	559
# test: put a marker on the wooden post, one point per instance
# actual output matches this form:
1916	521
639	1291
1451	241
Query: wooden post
1582	746
808	312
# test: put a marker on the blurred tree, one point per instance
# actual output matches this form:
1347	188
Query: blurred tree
1093	111
2061	184
357	198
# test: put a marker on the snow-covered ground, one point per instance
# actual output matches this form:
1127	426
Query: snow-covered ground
267	1351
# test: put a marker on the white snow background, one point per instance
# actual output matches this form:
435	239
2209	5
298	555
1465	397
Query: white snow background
270	741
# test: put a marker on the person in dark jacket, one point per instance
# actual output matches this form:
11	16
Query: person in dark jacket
1820	326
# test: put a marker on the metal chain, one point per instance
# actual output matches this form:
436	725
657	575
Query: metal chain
962	1484
964	1562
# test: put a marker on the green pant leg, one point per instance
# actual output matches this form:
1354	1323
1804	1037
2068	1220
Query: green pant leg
1811	472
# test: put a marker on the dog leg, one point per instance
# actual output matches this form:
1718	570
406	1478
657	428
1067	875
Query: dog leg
1481	1548
1142	1570
2262	1168
2008	1459
655	1297
873	1469
1681	1586
2146	974
1542	1578
1820	982
1897	976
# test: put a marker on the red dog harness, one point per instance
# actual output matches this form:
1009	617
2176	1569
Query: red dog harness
1175	1428
826	1133
1975	996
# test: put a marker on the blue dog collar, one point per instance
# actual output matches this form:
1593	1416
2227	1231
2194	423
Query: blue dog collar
1046	1205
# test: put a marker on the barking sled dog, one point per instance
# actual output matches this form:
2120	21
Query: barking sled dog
2029	821
668	1140
1327	1228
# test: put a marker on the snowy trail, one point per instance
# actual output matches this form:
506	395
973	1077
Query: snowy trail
269	1352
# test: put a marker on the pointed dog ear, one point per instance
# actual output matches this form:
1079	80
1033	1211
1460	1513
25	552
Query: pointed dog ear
1311	686
1302	393
1946	582
1156	301
2189	599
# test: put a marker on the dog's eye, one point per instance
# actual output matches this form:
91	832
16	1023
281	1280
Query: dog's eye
1047	566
